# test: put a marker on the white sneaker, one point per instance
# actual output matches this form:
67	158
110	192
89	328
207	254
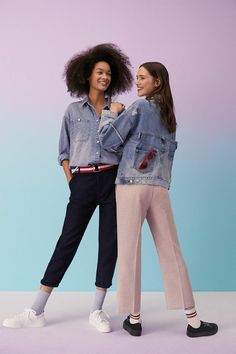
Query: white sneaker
28	318
99	319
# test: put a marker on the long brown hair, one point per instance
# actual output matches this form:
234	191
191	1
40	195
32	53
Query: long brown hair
162	95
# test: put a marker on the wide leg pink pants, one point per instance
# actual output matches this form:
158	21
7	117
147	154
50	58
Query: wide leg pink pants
134	204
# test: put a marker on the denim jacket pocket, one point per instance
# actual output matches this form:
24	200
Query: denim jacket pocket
80	129
145	159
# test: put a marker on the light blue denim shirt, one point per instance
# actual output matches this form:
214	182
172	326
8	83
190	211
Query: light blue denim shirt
148	146
79	139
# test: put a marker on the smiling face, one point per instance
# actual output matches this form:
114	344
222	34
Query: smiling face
100	77
146	83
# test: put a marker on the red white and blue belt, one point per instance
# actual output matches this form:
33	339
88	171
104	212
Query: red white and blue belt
92	168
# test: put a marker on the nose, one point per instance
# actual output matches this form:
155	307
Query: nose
105	76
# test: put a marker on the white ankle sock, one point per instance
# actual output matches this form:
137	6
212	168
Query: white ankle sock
134	318
192	317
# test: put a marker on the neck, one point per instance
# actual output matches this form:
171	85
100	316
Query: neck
96	98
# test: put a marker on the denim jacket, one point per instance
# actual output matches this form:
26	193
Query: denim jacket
148	146
79	139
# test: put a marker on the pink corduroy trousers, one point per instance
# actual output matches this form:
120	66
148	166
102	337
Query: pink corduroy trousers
134	204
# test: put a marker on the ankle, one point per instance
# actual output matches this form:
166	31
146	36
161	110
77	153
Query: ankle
192	317
134	318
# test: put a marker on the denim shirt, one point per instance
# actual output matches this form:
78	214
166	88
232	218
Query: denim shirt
148	146
79	139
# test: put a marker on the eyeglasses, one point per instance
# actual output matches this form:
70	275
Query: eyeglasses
149	156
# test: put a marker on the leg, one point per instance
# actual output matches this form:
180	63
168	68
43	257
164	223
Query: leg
79	211
132	202
107	251
177	286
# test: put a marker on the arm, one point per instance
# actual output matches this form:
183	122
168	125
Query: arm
66	168
64	148
114	130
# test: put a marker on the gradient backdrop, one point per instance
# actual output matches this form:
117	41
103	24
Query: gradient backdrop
196	41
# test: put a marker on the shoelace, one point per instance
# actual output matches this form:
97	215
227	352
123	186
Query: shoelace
102	316
206	324
26	312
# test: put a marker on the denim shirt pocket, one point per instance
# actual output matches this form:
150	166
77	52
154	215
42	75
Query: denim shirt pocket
80	129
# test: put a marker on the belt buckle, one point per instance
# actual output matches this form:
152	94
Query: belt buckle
95	168
75	170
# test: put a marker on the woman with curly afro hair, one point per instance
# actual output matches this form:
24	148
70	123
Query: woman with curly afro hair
94	76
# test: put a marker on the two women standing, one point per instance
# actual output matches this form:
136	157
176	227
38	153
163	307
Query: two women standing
142	141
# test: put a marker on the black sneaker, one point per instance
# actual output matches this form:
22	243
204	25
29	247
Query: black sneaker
206	329
133	329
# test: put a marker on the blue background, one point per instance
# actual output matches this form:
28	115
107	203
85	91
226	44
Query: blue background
198	48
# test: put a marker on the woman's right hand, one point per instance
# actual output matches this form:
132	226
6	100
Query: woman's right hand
117	107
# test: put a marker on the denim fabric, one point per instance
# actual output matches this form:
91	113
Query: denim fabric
79	140
148	146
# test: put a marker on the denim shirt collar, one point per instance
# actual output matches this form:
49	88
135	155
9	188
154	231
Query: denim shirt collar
85	100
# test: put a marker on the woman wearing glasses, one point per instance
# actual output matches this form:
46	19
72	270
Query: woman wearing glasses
147	130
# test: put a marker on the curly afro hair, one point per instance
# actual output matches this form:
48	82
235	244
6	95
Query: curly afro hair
79	68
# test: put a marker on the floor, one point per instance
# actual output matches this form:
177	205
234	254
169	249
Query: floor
68	330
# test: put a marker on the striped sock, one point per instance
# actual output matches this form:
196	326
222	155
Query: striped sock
134	318
192	317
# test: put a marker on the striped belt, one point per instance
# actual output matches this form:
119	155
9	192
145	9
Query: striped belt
92	168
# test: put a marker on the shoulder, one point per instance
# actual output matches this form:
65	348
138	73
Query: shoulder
136	106
142	104
74	107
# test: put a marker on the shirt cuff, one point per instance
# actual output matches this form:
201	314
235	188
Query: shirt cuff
107	117
62	157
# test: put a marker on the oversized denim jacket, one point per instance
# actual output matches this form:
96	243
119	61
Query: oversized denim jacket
148	147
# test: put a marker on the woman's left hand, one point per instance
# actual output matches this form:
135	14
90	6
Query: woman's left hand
117	107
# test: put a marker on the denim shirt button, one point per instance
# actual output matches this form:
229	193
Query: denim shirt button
97	141
79	119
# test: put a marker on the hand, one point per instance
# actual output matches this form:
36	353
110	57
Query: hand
117	107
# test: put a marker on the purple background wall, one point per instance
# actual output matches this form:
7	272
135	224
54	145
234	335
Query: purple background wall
196	42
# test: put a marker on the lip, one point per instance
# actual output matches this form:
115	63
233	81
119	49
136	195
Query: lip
104	82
